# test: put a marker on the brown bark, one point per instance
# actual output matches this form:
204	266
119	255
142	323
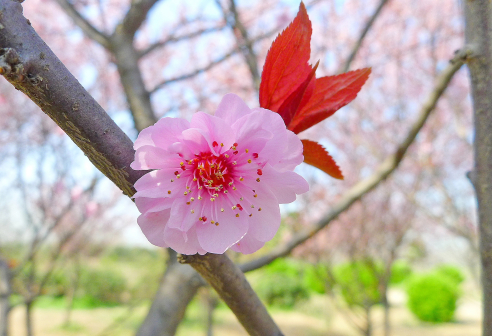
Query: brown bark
231	285
478	17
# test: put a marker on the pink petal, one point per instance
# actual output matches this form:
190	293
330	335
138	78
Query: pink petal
194	142
248	245
152	225
183	242
231	108
265	219
250	131
167	130
215	129
157	184
150	157
145	204
218	238
144	138
182	218
284	185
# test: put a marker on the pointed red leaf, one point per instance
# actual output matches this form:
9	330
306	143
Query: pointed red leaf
297	99
330	94
317	156
286	65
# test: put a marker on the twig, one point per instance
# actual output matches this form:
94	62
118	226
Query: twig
85	25
362	36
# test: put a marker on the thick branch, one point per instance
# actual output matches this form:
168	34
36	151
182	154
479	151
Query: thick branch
31	67
362	36
87	28
231	284
387	167
478	32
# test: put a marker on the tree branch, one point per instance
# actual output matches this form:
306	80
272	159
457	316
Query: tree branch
135	17
175	39
83	24
31	67
387	167
209	66
231	284
362	36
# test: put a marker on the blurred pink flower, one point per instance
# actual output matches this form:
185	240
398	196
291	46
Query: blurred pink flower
218	180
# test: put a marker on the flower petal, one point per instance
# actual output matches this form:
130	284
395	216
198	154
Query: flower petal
247	245
144	138
150	157
284	185
215	129
184	216
231	108
167	130
183	242
218	238
152	225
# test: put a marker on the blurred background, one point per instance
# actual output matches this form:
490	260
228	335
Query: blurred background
403	260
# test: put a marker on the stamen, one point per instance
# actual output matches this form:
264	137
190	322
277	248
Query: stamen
222	210
192	211
255	155
215	144
259	172
169	192
246	150
249	160
258	179
259	209
241	178
237	215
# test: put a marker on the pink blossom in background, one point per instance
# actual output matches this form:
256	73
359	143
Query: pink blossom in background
218	180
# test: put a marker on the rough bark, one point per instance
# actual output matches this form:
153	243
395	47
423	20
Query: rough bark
5	291
478	17
231	285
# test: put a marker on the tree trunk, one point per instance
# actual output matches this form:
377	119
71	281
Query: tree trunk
178	287
29	329
5	291
386	305
73	290
368	322
478	31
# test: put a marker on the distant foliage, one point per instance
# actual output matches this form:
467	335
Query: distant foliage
102	286
432	297
358	283
400	272
282	284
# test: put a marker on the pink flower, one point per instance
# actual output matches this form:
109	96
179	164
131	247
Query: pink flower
218	180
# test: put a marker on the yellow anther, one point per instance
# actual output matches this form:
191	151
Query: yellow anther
169	192
249	160
258	179
246	150
222	210
237	215
241	178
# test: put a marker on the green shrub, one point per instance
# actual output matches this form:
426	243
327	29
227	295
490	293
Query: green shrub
400	271
316	278
282	283
358	283
102	286
432	297
452	272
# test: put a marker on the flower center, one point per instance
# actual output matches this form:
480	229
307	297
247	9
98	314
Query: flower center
212	172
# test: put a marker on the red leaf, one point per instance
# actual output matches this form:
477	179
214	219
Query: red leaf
286	65
330	94
297	99
317	156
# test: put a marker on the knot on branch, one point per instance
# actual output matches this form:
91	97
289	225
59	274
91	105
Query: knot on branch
12	68
464	54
